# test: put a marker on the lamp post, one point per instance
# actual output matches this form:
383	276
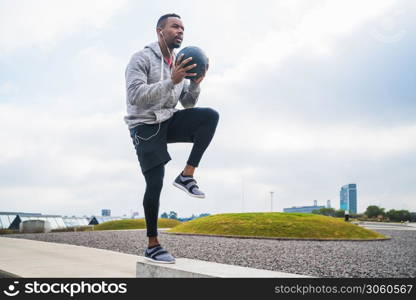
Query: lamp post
271	201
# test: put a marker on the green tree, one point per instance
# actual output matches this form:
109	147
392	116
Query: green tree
340	213
173	215
324	211
164	215
373	211
398	215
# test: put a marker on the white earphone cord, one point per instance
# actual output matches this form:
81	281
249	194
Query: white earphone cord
136	136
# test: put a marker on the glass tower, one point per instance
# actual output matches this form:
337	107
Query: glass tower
348	198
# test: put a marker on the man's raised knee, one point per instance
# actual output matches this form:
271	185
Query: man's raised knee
213	114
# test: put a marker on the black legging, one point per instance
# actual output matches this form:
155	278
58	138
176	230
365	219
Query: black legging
193	125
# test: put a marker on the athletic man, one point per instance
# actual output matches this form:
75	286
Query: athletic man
155	82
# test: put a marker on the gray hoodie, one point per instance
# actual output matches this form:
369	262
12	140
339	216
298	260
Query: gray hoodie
151	100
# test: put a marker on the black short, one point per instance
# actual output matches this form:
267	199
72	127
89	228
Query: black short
182	127
154	151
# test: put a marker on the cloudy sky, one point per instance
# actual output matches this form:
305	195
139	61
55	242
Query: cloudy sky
312	95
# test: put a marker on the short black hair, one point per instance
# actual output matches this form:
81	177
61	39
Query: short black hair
162	20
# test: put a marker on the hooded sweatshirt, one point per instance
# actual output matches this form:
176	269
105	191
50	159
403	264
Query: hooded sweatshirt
151	100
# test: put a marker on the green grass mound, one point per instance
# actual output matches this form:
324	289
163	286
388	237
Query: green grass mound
134	224
277	225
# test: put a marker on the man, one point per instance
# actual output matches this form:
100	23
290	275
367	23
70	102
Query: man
155	82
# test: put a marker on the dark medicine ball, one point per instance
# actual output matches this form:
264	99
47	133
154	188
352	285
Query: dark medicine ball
198	57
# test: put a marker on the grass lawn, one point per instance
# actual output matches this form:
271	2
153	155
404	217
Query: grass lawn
135	224
284	225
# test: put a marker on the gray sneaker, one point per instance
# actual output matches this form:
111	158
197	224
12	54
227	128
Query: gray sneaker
159	255
188	184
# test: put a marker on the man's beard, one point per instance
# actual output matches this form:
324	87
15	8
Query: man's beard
176	45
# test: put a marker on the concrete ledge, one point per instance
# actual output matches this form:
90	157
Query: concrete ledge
192	268
29	259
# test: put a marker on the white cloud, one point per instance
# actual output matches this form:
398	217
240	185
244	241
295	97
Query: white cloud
314	30
343	139
71	152
8	88
98	78
42	23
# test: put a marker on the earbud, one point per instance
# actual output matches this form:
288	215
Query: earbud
161	32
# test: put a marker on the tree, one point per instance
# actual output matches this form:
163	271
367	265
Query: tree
340	213
398	215
164	215
374	211
324	211
173	215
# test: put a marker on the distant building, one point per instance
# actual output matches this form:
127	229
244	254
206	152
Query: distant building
328	204
98	220
12	220
303	209
135	215
106	212
348	198
75	221
6	217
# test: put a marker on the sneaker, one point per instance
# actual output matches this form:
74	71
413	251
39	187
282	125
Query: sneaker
188	184
159	255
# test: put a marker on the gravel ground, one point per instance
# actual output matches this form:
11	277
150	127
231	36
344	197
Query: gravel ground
390	258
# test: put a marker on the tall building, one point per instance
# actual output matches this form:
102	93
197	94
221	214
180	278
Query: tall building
328	203
106	212
348	198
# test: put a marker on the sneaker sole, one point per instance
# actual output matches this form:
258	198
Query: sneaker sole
186	191
159	261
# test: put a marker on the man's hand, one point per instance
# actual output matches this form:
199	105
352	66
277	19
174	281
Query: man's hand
199	79
179	70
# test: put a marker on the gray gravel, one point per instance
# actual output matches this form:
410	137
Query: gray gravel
390	258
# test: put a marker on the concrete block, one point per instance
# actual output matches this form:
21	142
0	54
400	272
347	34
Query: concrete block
192	268
34	226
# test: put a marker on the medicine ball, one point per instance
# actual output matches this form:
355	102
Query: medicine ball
198	57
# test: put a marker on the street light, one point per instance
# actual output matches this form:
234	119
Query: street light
271	201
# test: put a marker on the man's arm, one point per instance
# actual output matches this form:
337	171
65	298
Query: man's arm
138	91
190	94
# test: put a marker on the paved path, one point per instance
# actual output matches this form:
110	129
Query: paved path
29	258
388	226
